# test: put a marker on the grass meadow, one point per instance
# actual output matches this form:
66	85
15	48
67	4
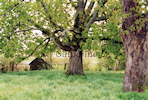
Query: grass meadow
55	85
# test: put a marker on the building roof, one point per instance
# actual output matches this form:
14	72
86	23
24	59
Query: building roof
39	60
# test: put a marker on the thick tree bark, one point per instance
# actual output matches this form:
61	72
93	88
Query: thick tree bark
75	63
136	47
136	63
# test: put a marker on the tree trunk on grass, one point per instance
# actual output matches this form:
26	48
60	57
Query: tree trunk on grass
136	47
11	66
65	66
50	58
75	63
136	68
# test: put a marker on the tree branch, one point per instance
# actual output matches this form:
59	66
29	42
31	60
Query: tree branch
108	39
85	3
68	29
91	5
46	10
72	3
26	30
46	46
61	45
12	8
95	14
45	31
101	18
102	2
38	46
65	47
47	43
92	19
79	14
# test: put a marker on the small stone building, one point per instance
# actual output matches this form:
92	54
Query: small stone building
38	64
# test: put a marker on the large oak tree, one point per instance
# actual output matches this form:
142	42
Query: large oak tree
66	22
135	39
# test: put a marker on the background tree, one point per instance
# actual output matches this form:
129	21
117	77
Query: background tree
135	39
65	22
107	35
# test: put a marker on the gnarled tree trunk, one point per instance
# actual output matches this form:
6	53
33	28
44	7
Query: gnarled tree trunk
135	77
136	47
75	63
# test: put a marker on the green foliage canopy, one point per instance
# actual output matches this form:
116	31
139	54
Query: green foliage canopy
65	23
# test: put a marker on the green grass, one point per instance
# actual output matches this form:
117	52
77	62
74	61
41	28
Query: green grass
55	85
